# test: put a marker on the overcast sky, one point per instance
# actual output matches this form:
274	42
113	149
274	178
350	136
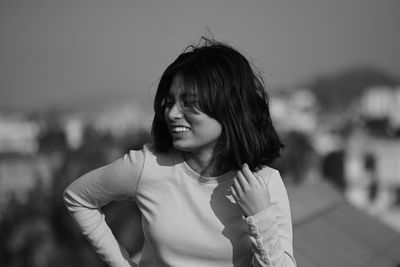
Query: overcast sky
91	53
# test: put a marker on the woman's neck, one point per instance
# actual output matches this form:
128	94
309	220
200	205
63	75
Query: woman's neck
205	165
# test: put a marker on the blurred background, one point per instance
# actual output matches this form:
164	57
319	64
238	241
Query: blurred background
77	80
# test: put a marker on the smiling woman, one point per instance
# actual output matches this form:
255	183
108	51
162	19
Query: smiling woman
192	131
204	190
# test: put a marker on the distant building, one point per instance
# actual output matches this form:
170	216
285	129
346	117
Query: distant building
381	103
74	128
19	174
394	117
18	135
295	109
372	161
121	120
376	102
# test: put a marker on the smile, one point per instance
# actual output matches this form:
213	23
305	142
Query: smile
179	129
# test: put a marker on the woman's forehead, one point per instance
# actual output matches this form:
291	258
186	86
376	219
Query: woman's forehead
180	88
177	85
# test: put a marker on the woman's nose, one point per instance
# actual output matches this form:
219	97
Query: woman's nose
175	111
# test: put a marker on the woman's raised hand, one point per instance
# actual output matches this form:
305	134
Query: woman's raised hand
250	191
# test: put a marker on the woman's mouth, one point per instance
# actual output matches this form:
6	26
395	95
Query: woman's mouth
179	129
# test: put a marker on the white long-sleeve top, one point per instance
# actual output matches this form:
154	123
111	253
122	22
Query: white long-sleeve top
187	219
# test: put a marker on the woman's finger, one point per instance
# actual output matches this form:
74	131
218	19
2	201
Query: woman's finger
236	185
242	180
248	174
234	193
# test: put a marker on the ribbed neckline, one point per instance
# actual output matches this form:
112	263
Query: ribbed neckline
203	179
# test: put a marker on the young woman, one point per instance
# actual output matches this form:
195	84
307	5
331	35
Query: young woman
206	195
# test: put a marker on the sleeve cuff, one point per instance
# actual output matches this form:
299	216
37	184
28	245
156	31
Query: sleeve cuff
264	221
262	228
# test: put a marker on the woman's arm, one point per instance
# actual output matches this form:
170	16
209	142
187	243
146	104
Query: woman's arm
266	207
86	195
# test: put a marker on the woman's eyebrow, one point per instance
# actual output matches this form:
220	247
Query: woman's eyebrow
188	94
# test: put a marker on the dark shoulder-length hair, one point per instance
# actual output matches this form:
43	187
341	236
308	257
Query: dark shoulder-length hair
230	91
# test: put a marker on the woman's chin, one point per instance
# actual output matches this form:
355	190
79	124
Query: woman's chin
181	146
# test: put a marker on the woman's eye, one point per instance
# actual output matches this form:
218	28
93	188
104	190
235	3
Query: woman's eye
189	103
168	102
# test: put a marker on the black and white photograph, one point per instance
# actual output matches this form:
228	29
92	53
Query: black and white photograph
184	133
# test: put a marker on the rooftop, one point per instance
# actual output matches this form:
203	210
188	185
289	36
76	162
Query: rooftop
330	232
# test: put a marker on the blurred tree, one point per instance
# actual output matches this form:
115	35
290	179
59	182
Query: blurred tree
379	127
298	157
333	168
40	232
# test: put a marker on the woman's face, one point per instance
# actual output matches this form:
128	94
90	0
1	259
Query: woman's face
191	129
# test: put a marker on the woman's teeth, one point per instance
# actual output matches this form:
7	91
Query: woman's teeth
180	129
